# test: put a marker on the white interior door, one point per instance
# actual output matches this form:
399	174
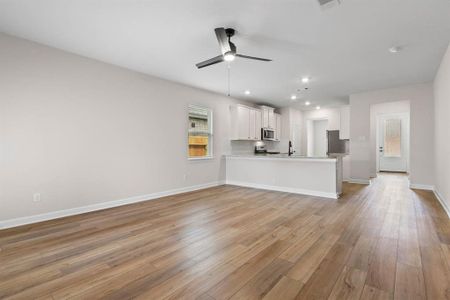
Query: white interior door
393	142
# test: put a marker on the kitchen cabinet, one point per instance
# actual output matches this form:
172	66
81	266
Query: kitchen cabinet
272	122
344	133
268	119
277	118
258	124
245	123
252	124
265	118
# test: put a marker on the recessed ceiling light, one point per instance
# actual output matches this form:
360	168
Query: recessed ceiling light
395	49
293	97
247	92
305	79
307	103
317	107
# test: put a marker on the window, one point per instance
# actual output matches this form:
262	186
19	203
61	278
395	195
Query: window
200	132
392	138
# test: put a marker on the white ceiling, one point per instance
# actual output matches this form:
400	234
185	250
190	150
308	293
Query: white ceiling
344	49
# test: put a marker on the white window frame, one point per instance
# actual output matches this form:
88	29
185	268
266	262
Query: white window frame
210	113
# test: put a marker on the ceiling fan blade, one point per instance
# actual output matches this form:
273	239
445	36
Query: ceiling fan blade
253	57
210	61
222	39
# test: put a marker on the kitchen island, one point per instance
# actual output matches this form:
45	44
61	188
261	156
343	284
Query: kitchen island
315	176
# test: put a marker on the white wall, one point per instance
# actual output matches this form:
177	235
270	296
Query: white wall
380	109
420	97
333	115
82	132
442	130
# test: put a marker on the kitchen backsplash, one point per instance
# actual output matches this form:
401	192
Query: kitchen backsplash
248	147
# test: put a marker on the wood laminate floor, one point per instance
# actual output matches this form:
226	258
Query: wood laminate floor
382	241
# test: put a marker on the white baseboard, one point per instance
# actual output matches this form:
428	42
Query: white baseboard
283	189
419	186
432	188
359	181
103	205
442	201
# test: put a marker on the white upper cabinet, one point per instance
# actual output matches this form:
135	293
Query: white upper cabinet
265	118
277	127
272	121
245	123
268	117
258	124
344	133
252	124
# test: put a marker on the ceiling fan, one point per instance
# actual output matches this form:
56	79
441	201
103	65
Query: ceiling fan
228	49
329	3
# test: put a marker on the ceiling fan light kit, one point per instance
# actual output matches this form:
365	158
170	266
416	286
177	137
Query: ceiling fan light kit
324	4
229	57
227	48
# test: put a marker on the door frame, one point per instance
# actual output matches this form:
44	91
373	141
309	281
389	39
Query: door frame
377	137
309	136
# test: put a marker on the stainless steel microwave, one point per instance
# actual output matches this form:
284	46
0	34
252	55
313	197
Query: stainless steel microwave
267	134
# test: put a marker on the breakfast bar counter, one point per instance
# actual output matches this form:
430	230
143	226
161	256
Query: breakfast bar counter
315	176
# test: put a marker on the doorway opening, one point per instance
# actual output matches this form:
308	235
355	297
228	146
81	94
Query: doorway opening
317	144
393	142
389	137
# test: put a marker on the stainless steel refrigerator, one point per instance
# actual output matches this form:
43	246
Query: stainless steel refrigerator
336	145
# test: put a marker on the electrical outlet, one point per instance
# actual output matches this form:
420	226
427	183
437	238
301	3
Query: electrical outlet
36	197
